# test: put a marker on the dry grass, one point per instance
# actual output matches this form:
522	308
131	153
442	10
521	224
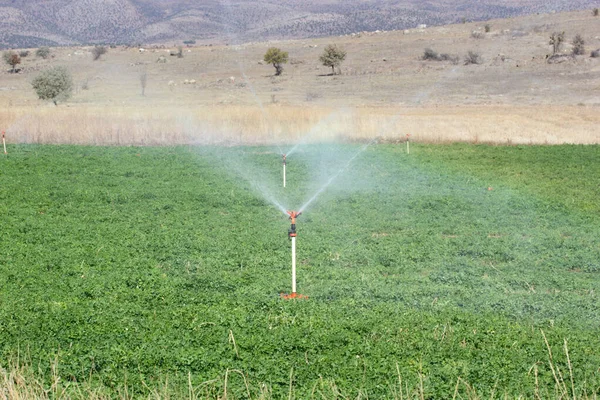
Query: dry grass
105	125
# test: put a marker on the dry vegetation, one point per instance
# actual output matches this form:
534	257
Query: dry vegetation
386	90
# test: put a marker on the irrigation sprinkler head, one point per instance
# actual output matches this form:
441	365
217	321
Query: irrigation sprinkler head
293	295
284	159
293	215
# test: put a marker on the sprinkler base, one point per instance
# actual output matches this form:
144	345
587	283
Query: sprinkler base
293	295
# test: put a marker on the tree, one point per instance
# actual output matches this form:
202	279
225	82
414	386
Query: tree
332	57
276	57
556	40
43	52
12	59
98	51
578	45
54	84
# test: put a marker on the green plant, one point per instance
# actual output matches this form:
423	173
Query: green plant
277	58
487	28
55	84
595	12
333	57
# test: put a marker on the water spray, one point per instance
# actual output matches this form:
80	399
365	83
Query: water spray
4	142
292	235
284	163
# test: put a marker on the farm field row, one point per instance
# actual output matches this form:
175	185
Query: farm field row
426	273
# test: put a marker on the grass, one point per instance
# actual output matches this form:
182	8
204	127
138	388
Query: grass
153	272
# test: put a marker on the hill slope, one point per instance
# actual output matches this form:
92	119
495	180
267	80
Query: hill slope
30	23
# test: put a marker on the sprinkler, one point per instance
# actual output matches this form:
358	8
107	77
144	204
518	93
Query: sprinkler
284	163
408	143
292	235
4	143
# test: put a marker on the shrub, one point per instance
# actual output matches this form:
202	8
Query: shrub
43	52
431	55
189	42
578	45
180	52
595	12
595	53
487	28
54	84
276	57
332	56
473	58
23	53
12	59
98	51
449	57
477	35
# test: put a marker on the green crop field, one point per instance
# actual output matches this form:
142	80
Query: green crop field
452	271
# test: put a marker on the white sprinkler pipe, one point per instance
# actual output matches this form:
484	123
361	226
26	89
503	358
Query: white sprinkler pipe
4	143
283	175
293	265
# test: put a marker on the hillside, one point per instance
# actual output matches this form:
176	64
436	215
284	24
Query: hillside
386	89
31	23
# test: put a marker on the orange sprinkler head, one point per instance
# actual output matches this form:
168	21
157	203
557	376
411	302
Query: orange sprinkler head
284	159
293	295
293	215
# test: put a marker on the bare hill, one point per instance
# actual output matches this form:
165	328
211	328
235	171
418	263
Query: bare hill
30	23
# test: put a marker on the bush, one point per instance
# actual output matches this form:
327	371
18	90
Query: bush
473	58
333	57
477	35
595	53
487	28
578	45
23	53
43	52
449	57
189	42
595	12
98	51
430	55
54	84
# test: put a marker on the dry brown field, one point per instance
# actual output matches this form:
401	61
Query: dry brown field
385	90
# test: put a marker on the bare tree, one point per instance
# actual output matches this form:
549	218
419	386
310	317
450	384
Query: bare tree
556	41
